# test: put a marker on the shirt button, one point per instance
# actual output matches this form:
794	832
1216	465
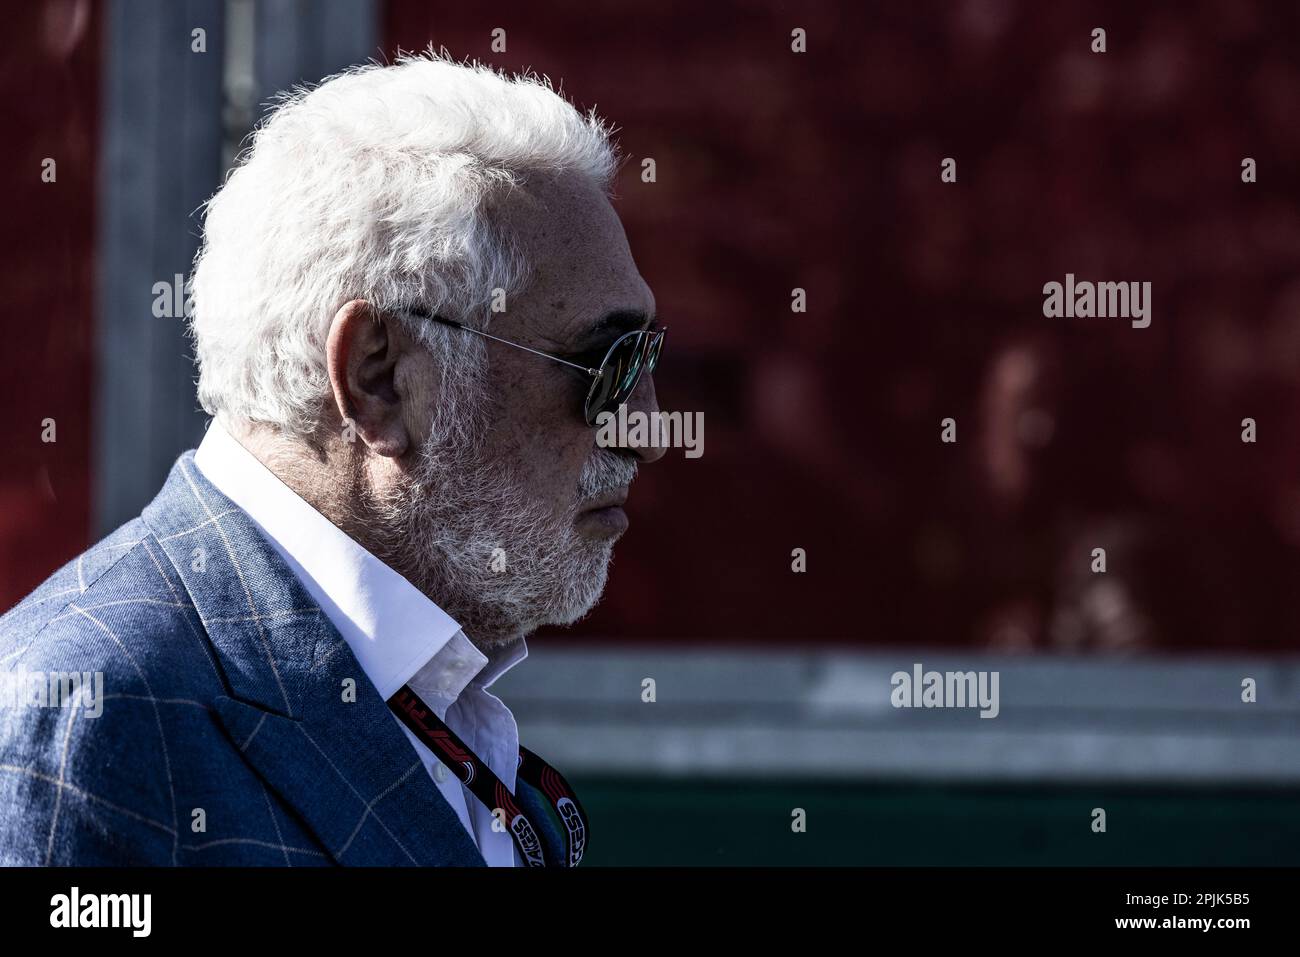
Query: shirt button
439	773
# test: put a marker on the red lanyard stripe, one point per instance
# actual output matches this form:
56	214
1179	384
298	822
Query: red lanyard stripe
491	791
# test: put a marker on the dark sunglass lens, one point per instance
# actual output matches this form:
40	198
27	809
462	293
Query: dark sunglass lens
656	346
631	371
618	379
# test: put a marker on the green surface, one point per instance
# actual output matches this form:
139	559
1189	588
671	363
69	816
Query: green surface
666	822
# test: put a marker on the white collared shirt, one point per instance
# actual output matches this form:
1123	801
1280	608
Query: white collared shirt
396	633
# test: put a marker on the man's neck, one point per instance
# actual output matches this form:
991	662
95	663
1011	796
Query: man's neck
328	478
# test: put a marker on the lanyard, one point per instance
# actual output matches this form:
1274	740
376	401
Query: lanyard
491	791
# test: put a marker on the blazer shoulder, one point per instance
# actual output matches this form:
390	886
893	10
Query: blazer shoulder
100	667
64	586
119	608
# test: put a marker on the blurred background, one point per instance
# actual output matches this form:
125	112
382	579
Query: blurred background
778	170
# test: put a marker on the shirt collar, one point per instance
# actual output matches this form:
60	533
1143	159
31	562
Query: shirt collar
501	660
393	629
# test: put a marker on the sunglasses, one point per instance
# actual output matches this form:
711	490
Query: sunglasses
613	382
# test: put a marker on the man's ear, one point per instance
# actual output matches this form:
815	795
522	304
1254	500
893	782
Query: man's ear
361	355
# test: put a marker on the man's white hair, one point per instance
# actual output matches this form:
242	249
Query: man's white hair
380	184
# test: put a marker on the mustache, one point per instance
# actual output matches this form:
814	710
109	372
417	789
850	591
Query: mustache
604	472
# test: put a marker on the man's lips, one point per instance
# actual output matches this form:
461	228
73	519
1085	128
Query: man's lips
603	517
615	499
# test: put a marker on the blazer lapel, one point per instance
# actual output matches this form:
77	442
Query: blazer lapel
298	705
350	772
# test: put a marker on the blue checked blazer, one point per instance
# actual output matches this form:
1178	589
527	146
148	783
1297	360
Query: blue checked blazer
224	737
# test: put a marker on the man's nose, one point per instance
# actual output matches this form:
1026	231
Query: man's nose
644	402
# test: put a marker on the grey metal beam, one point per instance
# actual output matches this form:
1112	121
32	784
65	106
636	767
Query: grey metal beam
303	41
161	159
828	715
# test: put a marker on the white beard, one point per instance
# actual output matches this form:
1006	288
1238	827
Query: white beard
495	558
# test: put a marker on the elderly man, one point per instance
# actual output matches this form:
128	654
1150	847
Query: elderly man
412	305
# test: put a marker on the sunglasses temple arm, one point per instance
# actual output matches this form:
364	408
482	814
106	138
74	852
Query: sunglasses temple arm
595	373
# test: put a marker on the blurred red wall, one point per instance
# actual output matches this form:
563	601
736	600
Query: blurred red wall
49	92
821	171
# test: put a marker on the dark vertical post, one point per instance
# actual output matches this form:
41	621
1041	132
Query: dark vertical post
161	160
